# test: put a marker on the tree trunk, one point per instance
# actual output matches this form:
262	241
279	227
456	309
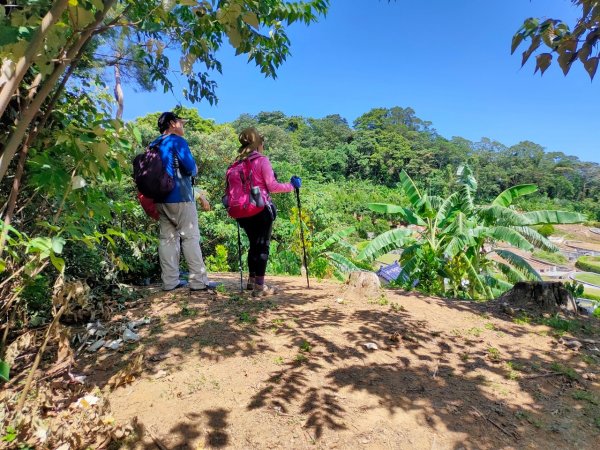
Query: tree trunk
24	63
542	296
118	90
30	112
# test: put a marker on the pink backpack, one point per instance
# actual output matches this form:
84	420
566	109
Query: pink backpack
242	198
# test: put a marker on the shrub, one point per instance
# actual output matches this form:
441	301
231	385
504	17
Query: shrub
36	296
588	263
218	261
546	230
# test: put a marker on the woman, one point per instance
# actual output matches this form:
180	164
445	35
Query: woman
259	226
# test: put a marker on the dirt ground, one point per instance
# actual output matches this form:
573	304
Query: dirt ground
292	371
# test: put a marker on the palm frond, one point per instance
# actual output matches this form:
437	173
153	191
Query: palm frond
410	189
338	237
385	242
552	217
341	262
519	263
509	195
536	239
511	236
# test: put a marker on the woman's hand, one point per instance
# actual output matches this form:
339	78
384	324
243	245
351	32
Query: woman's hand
201	197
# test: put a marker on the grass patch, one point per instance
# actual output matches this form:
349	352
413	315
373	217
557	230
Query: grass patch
586	396
494	354
305	346
587	277
565	370
397	308
247	318
489	326
278	360
186	311
475	331
551	257
524	415
522	319
301	358
561	324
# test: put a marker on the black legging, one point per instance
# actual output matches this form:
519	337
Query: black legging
258	229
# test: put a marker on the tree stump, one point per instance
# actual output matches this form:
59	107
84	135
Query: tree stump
366	283
543	296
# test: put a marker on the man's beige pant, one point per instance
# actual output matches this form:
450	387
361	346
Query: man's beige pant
179	231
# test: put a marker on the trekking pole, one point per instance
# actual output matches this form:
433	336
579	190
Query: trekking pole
240	258
302	235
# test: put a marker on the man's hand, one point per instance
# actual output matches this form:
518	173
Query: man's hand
201	197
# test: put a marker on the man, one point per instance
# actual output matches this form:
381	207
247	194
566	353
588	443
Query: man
178	214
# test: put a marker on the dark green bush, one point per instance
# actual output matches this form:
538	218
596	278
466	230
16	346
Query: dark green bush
588	263
37	298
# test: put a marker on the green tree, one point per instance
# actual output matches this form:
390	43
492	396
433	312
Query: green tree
448	248
569	44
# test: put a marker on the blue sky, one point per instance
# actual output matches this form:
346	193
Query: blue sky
447	59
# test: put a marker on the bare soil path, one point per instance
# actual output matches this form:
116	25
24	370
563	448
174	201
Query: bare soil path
292	371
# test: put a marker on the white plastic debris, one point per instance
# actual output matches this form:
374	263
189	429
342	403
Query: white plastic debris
78	379
96	345
160	374
87	401
114	344
370	346
136	323
96	329
130	336
339	300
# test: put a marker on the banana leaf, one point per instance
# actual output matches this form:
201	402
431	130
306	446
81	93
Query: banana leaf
511	236
519	263
506	198
411	191
385	242
552	217
536	239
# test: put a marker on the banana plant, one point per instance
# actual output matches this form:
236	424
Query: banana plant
341	261
453	247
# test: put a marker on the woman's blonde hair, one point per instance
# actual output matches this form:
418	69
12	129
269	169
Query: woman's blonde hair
250	139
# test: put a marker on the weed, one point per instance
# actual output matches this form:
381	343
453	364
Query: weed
560	324
564	370
494	354
397	308
512	373
484	316
221	289
278	323
588	359
522	319
475	331
464	357
456	332
186	311
278	360
305	346
247	318
301	357
489	326
524	415
587	396
514	365
597	422
382	301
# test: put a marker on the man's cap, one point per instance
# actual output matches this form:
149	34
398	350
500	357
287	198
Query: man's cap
165	120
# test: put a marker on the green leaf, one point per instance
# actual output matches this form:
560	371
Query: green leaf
407	214
385	242
2	265
509	195
516	40
57	262
591	65
57	244
536	239
138	135
5	376
542	62
251	19
341	262
552	217
414	196
511	236
337	237
519	263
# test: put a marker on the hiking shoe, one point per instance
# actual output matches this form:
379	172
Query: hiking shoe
264	290
250	285
210	286
182	283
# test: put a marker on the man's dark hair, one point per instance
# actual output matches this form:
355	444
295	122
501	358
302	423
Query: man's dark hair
165	119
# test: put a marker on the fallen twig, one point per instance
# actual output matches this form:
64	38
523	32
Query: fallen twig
540	375
494	423
157	441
